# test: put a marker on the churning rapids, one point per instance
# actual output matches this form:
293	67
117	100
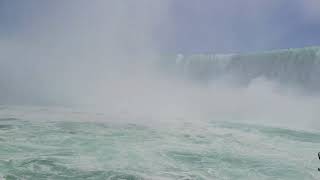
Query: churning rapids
40	143
238	139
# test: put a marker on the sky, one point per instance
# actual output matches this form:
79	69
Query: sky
194	26
246	25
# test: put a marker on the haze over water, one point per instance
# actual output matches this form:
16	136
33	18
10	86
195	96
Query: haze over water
99	90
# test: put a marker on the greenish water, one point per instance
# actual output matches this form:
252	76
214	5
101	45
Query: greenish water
40	143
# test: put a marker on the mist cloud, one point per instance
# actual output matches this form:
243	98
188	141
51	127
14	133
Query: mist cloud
101	54
67	47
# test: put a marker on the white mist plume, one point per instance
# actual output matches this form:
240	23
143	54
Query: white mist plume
69	48
100	53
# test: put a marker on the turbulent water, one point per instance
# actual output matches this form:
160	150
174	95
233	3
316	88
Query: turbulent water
44	143
64	143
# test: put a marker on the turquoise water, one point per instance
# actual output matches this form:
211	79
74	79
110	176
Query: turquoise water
40	143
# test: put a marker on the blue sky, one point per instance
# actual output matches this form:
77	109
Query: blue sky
202	25
240	25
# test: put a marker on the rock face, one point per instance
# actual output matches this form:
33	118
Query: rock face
292	67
